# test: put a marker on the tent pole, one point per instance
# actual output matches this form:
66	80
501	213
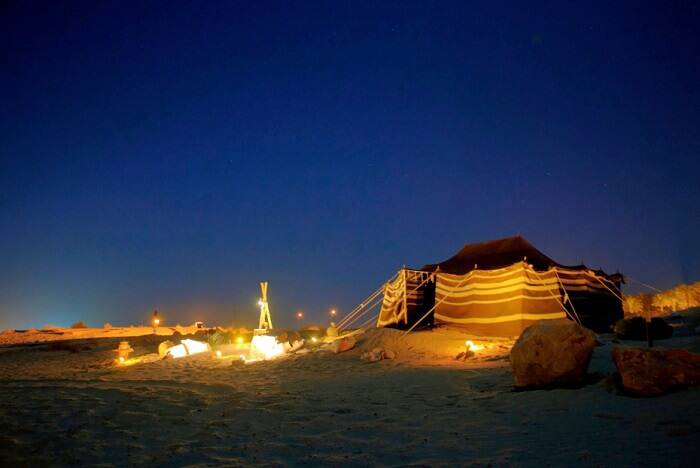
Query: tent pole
405	300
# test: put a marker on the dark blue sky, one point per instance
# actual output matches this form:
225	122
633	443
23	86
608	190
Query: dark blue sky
171	155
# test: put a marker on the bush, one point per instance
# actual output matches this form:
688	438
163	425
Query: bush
79	324
635	328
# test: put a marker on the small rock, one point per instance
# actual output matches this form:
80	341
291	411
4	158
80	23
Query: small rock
377	354
344	344
550	353
464	355
653	371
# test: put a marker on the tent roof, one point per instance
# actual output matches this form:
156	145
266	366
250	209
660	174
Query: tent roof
499	253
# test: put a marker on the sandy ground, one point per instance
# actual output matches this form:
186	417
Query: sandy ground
424	408
51	333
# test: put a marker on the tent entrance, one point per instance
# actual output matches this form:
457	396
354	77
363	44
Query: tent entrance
407	298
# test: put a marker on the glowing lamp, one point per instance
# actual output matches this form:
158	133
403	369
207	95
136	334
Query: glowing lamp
123	351
314	339
333	312
187	348
218	354
300	315
239	340
156	322
265	347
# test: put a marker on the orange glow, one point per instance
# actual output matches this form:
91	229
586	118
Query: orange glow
239	340
156	322
265	347
187	348
473	347
218	354
122	362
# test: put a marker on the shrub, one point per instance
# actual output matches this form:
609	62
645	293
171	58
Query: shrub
79	324
635	328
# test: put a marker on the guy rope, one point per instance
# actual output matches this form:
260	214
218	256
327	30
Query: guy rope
375	299
566	311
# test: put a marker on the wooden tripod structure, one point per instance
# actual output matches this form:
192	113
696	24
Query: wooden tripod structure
265	322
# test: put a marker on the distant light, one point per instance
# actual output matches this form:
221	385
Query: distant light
333	312
218	354
239	340
314	339
300	315
121	360
156	322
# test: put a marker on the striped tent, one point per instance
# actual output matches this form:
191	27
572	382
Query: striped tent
517	286
406	298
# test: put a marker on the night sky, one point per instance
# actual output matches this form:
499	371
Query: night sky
171	155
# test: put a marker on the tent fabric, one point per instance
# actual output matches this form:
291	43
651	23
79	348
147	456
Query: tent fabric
498	253
416	287
505	301
392	311
499	288
500	302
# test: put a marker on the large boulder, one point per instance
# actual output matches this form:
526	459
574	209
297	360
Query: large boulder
635	328
653	371
552	353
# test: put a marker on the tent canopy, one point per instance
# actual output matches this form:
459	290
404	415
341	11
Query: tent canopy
500	253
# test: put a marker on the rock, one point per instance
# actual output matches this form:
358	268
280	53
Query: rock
464	355
164	347
551	353
653	371
377	354
635	328
218	338
344	344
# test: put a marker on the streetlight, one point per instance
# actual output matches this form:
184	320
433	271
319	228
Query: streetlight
300	315
155	321
333	312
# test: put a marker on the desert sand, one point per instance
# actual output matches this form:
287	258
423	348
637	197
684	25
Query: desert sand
71	406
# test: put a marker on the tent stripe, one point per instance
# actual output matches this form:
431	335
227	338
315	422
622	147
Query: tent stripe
502	318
